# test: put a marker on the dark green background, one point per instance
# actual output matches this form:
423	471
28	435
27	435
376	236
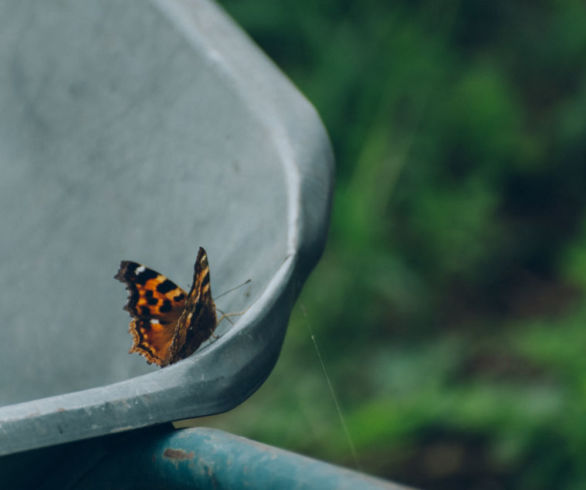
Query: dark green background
449	303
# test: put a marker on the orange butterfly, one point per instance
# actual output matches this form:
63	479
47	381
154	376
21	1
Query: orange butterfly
167	323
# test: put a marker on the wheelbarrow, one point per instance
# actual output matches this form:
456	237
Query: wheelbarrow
142	130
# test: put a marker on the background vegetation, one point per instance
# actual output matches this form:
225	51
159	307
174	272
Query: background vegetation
449	304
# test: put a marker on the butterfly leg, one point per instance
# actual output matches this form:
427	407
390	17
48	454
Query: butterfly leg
228	315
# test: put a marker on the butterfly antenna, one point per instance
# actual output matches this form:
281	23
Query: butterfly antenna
233	289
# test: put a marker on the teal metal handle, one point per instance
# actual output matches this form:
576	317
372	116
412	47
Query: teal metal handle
210	458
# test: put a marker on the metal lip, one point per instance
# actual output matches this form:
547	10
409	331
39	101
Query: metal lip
227	371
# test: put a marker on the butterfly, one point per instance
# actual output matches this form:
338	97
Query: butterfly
167	323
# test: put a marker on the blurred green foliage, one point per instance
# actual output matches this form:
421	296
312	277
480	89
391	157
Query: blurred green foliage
448	306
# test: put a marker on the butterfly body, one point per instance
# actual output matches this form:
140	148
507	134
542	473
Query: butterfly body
167	323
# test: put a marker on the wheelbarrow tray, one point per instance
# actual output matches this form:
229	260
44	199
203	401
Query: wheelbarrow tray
142	130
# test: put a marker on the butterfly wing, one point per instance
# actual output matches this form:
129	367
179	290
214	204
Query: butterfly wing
155	304
198	320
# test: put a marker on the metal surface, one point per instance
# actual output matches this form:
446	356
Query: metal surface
190	458
141	130
210	458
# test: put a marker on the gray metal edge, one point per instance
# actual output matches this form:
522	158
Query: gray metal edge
196	384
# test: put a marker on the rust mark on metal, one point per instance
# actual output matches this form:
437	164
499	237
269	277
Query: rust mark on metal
177	454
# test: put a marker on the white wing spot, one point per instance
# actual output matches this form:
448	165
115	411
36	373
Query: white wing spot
154	321
140	269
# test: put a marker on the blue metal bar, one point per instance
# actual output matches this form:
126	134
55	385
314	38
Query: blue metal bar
210	458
